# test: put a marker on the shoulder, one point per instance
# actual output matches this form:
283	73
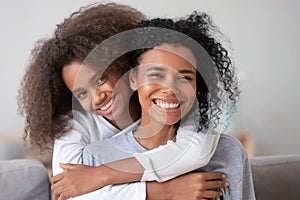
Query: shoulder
79	124
229	157
95	126
100	145
228	140
123	140
230	146
83	118
83	129
108	150
107	145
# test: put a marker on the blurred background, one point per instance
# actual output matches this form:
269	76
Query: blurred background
265	43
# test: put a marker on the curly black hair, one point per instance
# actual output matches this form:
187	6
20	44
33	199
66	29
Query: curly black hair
43	98
217	85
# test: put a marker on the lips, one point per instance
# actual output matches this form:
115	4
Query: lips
167	104
105	107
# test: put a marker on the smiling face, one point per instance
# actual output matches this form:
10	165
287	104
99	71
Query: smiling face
98	96
166	83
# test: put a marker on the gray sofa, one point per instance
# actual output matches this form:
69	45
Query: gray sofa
275	177
24	180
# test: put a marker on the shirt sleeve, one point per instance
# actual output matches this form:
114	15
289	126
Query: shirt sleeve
233	159
247	181
243	189
191	151
69	147
131	191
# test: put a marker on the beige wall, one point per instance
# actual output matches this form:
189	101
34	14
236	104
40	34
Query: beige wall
265	43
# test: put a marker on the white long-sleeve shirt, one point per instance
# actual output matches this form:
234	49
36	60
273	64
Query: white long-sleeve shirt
88	128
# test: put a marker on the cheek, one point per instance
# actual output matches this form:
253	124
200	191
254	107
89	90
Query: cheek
86	105
188	90
123	88
123	92
144	92
192	97
148	89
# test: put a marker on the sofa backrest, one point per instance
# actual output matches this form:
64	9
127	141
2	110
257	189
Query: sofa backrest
274	177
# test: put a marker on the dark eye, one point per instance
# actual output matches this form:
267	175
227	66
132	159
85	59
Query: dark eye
100	81
81	95
185	78
155	75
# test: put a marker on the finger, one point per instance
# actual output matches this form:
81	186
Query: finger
55	197
65	166
57	178
58	187
64	195
216	184
214	175
57	191
61	197
69	166
212	194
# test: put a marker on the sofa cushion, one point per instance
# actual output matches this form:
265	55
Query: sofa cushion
276	177
24	179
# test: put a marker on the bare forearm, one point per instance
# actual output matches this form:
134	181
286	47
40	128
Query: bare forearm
80	179
157	191
122	171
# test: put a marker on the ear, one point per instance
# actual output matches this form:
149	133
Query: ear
132	79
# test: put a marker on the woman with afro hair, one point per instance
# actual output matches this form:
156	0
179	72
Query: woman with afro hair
69	104
180	69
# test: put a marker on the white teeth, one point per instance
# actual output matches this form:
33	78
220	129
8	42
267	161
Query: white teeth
166	105
107	105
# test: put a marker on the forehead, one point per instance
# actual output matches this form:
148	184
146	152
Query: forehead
76	74
171	55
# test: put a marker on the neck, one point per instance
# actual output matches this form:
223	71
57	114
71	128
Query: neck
151	136
129	116
122	124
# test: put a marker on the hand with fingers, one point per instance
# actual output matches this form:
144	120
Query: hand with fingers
76	180
192	186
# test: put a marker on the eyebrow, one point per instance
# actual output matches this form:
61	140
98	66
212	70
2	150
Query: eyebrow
157	68
76	90
162	68
93	79
187	71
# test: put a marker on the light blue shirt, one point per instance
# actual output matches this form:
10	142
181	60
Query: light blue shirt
230	158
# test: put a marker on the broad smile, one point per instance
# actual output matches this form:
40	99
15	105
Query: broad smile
105	107
167	105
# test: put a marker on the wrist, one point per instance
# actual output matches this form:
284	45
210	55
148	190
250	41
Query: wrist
122	171
158	191
103	175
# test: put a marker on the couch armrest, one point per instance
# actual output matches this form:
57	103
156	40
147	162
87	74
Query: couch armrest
276	177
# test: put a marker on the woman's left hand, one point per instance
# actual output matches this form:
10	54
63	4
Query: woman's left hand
77	179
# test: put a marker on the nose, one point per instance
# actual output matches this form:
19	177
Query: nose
170	86
99	96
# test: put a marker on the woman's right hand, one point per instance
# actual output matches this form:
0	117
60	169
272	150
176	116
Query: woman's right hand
191	186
